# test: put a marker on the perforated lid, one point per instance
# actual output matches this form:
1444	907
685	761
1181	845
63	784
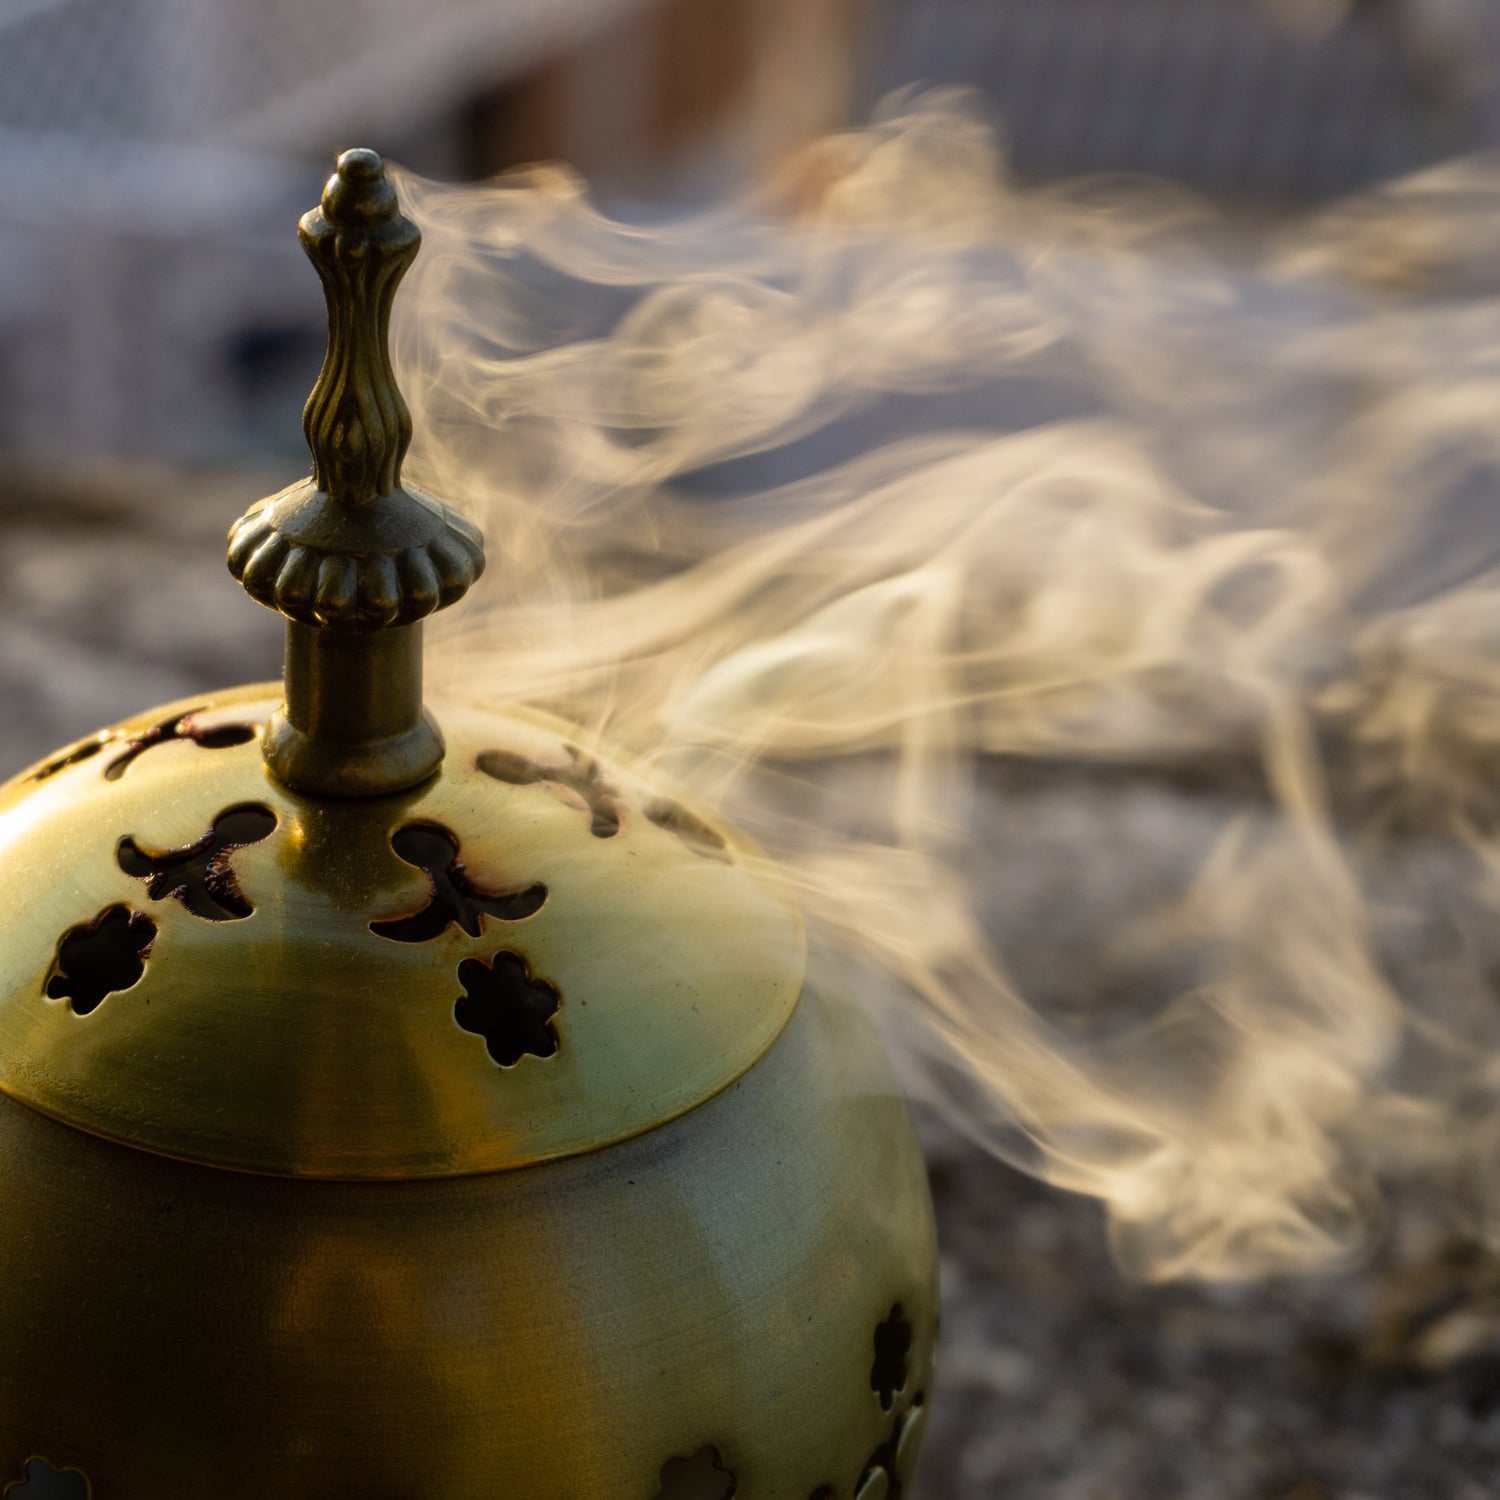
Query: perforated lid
302	934
529	956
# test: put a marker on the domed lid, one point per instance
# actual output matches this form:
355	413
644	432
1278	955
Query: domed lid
527	956
301	935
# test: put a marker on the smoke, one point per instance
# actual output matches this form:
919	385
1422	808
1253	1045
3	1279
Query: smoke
952	535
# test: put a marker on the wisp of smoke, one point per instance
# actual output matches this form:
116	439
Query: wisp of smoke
1095	615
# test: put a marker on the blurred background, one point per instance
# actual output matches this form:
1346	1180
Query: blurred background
152	151
155	307
160	329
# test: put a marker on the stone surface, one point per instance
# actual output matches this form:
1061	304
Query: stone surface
114	596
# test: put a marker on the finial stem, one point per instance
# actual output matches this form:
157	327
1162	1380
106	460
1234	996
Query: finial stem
353	723
354	559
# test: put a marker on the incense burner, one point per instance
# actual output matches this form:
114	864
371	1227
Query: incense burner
413	1103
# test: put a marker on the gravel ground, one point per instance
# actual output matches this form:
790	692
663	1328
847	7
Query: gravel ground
1060	1379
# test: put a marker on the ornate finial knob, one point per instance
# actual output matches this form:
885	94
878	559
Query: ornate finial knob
352	548
356	423
354	559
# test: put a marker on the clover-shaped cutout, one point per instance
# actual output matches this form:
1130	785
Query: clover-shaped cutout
701	1477
43	1482
580	784
181	727
100	957
888	1375
454	899
509	1008
199	875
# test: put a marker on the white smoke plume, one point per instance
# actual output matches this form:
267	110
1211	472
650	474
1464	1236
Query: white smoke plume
856	501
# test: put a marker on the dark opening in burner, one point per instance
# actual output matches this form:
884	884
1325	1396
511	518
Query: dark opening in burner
100	957
507	1007
183	727
43	1482
455	899
580	783
699	836
701	1477
74	755
199	876
892	1345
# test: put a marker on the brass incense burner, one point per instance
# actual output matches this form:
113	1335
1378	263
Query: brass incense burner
411	1121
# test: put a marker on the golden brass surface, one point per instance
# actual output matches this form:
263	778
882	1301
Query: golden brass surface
351	557
382	1123
353	724
295	1039
558	1333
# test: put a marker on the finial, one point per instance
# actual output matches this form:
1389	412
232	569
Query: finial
356	423
354	559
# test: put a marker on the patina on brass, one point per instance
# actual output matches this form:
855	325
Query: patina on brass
383	1123
351	557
